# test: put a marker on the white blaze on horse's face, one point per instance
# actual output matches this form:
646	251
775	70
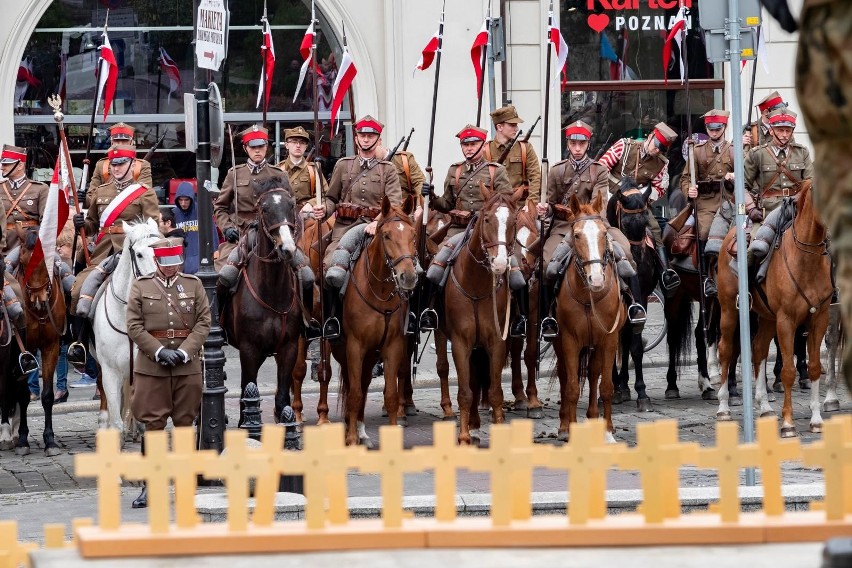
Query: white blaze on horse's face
500	262
287	242
594	271
523	236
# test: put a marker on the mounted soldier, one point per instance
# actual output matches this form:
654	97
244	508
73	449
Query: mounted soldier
119	199
759	132
714	172
645	163
120	133
411	177
13	161
461	200
303	176
358	184
522	165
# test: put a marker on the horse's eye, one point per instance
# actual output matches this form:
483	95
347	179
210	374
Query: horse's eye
139	255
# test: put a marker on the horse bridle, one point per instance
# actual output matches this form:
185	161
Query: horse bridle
622	209
391	263
267	229
510	248
605	260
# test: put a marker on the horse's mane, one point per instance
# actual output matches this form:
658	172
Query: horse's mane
138	230
587	209
30	239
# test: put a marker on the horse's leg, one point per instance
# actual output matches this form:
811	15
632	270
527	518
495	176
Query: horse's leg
704	385
593	373
760	345
620	376
404	382
817	328
605	354
832	342
324	377
300	370
461	358
562	432
285	360
571	387
354	396
535	409
49	357
250	361
393	357
727	337
516	347
7	408
672	312
479	387
496	360
103	407
442	366
22	399
367	364
637	351
786	330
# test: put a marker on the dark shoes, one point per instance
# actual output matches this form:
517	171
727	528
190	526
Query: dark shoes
549	329
710	290
428	320
312	330
60	396
670	280
411	326
636	314
141	502
77	356
519	327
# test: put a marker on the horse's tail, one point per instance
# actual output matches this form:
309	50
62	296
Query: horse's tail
680	330
583	368
714	328
480	368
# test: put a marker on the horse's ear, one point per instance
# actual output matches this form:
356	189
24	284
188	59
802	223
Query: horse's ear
520	194
646	195
410	205
531	204
386	206
126	227
574	203
598	202
485	191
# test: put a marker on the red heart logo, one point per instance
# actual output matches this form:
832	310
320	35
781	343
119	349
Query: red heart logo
598	22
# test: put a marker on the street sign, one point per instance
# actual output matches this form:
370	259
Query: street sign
211	34
217	126
714	23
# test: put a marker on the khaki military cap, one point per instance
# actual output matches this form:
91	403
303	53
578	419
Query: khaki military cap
782	117
664	134
297	132
12	154
506	114
255	135
369	125
771	101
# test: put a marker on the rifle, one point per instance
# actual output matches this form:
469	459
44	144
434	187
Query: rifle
509	147
155	147
530	131
392	153
407	140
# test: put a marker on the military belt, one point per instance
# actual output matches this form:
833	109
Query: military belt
170	333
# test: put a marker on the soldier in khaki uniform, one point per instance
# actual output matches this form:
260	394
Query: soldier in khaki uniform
168	318
759	130
22	199
714	165
120	133
462	198
411	177
358	184
824	90
645	163
10	159
120	199
234	207
521	164
304	176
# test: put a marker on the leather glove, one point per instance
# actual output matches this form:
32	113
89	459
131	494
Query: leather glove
81	197
427	190
756	215
232	234
79	221
169	357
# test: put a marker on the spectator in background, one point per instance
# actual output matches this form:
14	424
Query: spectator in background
185	217
167	223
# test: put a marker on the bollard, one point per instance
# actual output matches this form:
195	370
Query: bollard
250	411
292	441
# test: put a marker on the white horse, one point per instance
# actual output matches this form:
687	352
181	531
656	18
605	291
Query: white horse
112	347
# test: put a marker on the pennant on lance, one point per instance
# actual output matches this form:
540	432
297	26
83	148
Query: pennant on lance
170	68
428	54
107	75
54	217
676	34
267	69
345	75
305	50
476	51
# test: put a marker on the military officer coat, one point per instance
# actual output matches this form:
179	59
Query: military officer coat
111	239
168	315
772	173
521	158
411	177
141	171
363	183
24	204
241	196
712	163
462	189
624	158
303	180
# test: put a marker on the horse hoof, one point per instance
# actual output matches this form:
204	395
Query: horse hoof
770	396
831	406
51	451
411	410
22	451
672	394
625	394
562	436
644	405
384	412
616	398
723	416
709	394
816	428
520	405
735	400
805	385
778	386
402	421
766	413
535	413
7	445
788	431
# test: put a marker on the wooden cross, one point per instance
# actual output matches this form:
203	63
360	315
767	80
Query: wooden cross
509	461
236	467
107	464
186	464
586	459
834	454
728	457
154	470
391	462
772	452
445	457
272	437
658	460
12	552
54	535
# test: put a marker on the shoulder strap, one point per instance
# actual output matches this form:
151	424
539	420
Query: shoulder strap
710	166
491	169
458	173
406	169
312	175
137	169
488	152
15	202
105	171
524	179
782	168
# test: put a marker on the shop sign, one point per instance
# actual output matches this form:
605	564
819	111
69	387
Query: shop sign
645	22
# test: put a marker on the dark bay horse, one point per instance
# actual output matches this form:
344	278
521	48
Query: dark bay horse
796	292
478	299
375	307
14	393
591	314
263	318
628	210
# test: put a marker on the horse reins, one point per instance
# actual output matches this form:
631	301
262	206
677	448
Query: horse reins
580	265
622	209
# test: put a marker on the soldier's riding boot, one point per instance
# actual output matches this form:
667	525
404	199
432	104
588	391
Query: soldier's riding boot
429	317
549	326
331	325
77	350
141	502
522	302
312	329
669	279
711	261
635	312
411	324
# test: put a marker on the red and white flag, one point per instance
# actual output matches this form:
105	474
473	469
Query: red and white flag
479	45
559	44
170	68
55	215
675	35
305	50
345	74
429	52
267	56
25	73
107	75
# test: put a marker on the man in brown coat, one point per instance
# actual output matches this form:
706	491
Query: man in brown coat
168	318
411	177
521	164
234	207
304	176
120	133
22	199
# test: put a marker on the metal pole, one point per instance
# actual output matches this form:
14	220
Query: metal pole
739	193
212	419
489	54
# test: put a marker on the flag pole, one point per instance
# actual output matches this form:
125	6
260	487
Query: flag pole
481	66
421	233
87	157
263	101
324	347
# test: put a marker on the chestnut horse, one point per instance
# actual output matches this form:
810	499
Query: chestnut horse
263	318
477	296
797	291
375	306
44	305
590	315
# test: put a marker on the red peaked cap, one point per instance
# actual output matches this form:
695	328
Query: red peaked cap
578	130
255	132
121	129
13	154
121	151
471	133
369	125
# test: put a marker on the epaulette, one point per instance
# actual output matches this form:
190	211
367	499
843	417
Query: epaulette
561	162
275	167
495	164
146	277
456	164
191	276
345	158
238	166
796	144
701	142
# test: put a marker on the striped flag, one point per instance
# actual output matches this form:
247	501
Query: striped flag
345	75
676	36
559	44
305	50
429	52
55	215
267	56
107	76
170	68
476	51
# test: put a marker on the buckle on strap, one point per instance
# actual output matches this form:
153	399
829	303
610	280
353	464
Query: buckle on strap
170	334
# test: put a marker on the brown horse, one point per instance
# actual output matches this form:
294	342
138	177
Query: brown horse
590	315
375	306
477	296
797	291
263	318
44	305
